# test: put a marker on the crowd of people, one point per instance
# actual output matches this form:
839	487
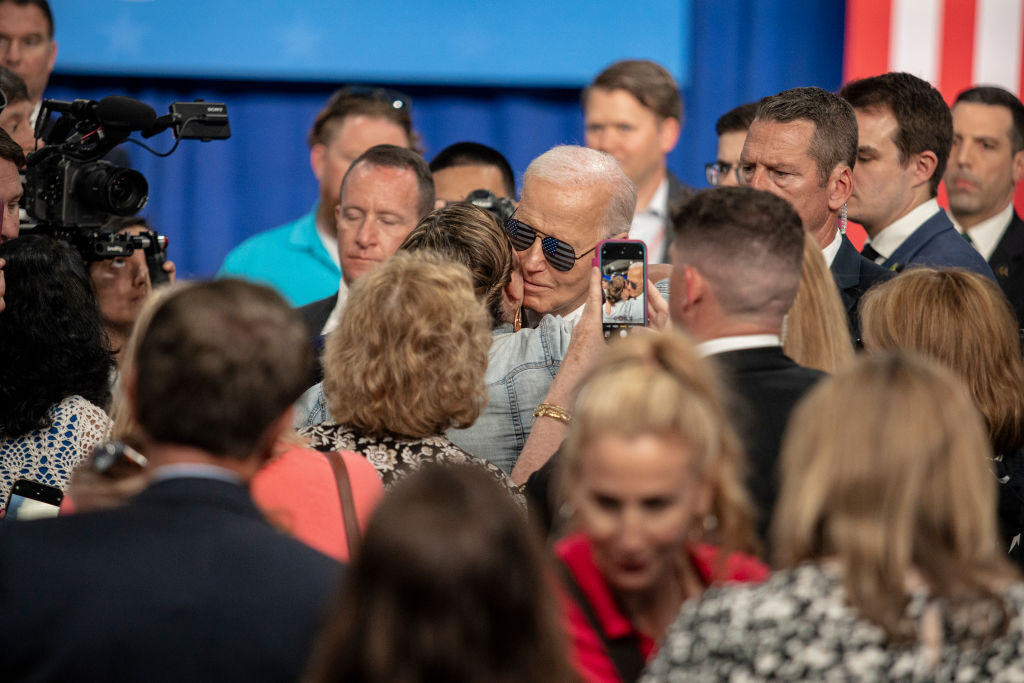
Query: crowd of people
391	442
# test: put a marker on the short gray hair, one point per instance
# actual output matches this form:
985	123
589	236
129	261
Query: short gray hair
581	167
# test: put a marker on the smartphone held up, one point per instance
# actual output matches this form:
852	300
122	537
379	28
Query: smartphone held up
623	265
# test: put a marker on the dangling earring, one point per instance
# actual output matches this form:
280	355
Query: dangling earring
517	324
842	219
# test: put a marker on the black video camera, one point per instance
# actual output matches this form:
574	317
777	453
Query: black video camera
71	191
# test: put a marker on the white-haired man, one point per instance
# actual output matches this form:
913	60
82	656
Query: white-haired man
573	198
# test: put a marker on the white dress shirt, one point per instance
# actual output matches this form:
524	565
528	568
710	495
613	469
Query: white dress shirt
738	343
985	235
832	249
889	239
650	224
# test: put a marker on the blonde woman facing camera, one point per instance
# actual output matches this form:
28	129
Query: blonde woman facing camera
885	534
652	472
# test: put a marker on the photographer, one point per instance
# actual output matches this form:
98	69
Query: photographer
123	284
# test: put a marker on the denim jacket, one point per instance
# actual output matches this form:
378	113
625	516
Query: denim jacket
521	366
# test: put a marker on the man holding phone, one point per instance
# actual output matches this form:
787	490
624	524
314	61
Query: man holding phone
187	581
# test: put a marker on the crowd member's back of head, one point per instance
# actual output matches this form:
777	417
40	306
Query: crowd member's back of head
963	321
411	350
51	339
900	492
15	117
217	367
748	246
481	165
815	333
471	236
450	585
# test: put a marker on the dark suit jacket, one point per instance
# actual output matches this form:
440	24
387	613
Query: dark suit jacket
678	193
937	243
1007	263
316	313
187	582
766	384
854	275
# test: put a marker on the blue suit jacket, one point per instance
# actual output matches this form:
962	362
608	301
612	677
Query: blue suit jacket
937	243
854	275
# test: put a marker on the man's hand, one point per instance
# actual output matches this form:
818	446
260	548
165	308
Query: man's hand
3	285
171	271
657	308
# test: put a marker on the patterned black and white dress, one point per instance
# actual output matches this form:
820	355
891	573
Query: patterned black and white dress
797	626
395	457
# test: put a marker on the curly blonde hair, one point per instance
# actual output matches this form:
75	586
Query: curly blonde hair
410	353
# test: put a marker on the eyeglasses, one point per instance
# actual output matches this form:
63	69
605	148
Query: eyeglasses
632	285
717	171
559	254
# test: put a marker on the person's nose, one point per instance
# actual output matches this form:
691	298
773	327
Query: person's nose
533	259
759	180
631	530
962	154
367	234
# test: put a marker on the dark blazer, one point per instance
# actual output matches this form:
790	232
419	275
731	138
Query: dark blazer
187	582
937	243
1007	262
854	275
766	384
316	313
678	193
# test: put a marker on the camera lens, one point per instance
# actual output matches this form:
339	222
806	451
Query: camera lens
120	191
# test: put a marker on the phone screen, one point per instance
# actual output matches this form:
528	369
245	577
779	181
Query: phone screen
623	266
32	500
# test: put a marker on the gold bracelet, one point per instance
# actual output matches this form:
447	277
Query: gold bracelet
554	412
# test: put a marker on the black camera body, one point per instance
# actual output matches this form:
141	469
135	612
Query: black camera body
71	191
502	207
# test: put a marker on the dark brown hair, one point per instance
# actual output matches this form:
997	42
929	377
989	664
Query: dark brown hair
924	120
362	101
736	120
650	83
997	97
450	585
392	156
218	363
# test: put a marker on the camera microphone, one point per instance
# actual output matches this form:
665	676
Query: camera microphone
125	113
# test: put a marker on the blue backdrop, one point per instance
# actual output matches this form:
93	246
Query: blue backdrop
208	197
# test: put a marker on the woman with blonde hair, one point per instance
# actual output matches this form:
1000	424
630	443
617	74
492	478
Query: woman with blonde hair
885	536
653	473
816	333
963	321
405	364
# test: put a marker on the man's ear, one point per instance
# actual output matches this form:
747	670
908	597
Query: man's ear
925	164
1018	167
668	134
840	186
317	159
696	287
620	236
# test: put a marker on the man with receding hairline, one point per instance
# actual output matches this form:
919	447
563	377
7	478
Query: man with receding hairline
802	146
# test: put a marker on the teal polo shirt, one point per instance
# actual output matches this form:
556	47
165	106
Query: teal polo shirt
290	258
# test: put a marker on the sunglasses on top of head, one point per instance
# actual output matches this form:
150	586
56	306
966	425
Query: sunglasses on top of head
559	254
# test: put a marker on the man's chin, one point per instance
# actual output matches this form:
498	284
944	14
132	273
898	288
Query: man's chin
357	267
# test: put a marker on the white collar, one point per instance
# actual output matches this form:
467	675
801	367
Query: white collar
713	347
832	249
889	238
335	317
986	234
658	205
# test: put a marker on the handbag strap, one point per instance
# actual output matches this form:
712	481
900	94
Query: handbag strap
348	503
624	652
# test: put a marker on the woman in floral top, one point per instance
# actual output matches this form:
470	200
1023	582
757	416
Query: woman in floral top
886	534
405	364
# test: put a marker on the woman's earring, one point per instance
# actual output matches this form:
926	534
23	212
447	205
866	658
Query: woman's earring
517	324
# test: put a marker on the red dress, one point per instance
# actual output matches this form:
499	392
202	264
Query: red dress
590	657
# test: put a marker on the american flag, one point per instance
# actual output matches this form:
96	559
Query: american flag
952	44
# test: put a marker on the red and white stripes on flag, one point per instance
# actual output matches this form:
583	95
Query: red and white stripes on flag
953	44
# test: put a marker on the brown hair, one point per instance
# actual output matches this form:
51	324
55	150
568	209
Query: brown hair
816	332
650	83
410	353
900	489
217	364
736	120
363	101
924	120
657	383
995	96
392	156
834	140
449	585
615	287
471	236
963	321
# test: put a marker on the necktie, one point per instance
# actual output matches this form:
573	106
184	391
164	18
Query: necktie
869	253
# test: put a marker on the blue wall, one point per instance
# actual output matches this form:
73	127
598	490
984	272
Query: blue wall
207	197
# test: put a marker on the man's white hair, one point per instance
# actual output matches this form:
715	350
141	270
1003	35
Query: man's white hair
580	167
